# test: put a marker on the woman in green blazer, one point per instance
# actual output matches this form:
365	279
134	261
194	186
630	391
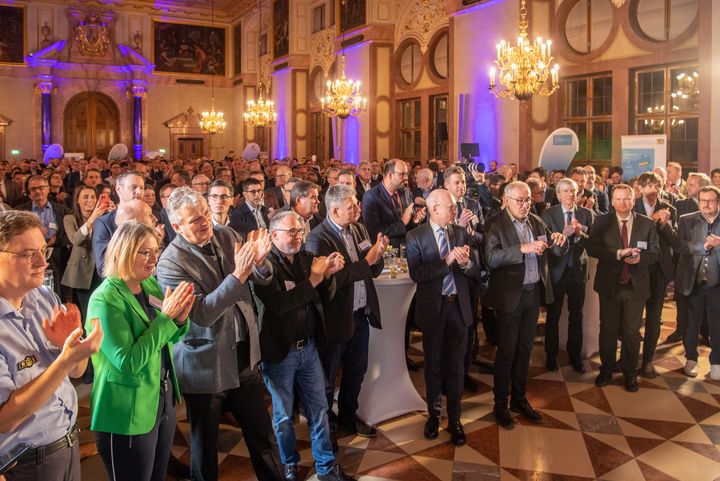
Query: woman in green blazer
133	398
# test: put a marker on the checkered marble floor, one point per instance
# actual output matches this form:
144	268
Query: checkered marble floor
669	430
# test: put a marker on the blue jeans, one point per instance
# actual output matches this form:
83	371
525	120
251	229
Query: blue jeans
300	371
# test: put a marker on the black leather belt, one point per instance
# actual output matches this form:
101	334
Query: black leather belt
450	298
302	343
38	455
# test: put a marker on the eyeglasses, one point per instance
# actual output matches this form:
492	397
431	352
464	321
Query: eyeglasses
31	256
221	198
525	201
150	254
292	232
401	174
707	201
253	191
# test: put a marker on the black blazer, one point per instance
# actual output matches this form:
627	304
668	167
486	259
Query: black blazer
324	240
604	243
603	203
242	219
555	220
688	205
507	263
666	237
475	207
428	270
379	214
283	302
690	245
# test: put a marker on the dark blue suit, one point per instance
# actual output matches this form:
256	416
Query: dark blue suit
103	229
243	220
380	215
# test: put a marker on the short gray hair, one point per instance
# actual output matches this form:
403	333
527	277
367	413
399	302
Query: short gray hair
182	197
453	170
517	185
704	179
336	195
566	182
280	216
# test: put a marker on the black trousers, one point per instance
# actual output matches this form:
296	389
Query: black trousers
653	312
575	291
620	312
515	336
703	302
247	405
62	465
444	349
141	457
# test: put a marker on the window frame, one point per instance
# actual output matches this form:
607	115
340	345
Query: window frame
589	119
414	130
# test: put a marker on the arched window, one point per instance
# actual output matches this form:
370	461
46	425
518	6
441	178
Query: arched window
439	55
411	63
664	20
588	24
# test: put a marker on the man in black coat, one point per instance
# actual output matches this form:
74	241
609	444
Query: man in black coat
388	207
293	323
251	214
697	277
515	245
355	307
53	227
625	244
661	273
441	263
569	273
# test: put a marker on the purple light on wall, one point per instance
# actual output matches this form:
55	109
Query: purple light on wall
351	151
46	116
137	127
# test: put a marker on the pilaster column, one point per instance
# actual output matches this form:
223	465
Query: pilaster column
137	92
45	88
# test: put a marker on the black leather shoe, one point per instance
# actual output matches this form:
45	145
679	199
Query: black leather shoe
526	410
457	434
363	430
431	427
412	365
470	384
603	379
336	474
551	364
676	336
579	367
648	371
503	417
290	472
631	384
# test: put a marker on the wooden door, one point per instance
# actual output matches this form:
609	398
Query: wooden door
190	147
91	124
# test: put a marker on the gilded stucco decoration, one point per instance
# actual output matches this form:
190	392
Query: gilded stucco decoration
92	35
266	70
322	51
420	19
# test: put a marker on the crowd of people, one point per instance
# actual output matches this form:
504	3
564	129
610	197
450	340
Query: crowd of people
219	282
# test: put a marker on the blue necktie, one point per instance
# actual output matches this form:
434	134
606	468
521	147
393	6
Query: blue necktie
448	286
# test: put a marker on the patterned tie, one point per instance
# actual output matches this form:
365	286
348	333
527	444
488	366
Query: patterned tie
459	211
625	274
448	286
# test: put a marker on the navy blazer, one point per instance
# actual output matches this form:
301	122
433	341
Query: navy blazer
323	240
428	270
379	214
243	220
555	220
103	229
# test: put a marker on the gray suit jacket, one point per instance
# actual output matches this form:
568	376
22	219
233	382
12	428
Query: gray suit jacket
81	266
206	358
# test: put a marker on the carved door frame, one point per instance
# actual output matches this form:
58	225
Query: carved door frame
92	99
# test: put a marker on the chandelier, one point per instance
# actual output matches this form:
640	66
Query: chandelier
523	70
212	122
687	91
618	3
260	113
343	97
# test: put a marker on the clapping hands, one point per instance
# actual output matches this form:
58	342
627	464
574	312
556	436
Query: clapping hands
65	320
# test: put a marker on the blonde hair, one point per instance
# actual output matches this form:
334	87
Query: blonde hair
123	248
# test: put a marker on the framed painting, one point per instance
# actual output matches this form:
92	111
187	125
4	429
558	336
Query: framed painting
281	26
13	44
352	14
237	49
183	48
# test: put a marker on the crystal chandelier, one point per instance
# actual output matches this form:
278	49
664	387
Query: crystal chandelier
212	122
687	92
618	3
523	70
260	113
343	97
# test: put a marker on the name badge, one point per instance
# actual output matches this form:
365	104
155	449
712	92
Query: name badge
364	245
52	225
642	245
542	238
289	285
155	302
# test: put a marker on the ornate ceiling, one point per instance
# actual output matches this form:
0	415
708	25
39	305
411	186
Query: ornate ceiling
225	10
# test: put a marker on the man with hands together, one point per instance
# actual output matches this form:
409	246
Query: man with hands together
40	346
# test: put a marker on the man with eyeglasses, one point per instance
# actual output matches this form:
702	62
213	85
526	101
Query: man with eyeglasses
388	208
626	245
516	247
251	214
697	277
52	215
220	199
201	183
40	347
